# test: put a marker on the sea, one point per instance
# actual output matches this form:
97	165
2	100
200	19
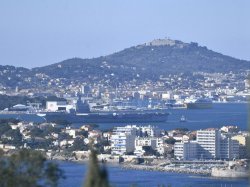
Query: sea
119	177
220	115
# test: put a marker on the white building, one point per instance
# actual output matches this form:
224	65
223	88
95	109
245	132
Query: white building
123	140
71	132
149	130
209	143
141	142
186	150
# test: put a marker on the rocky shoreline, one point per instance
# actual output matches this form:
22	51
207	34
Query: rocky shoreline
157	166
127	165
166	169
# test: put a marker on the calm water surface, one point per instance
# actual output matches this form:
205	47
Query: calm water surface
219	115
75	173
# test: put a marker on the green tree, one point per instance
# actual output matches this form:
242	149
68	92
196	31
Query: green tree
97	176
4	127
15	135
170	141
28	168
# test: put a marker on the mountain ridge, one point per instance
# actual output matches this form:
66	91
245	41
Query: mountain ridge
147	61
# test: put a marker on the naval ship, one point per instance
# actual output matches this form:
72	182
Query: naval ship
201	103
82	114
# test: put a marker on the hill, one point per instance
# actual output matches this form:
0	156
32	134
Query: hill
148	61
159	57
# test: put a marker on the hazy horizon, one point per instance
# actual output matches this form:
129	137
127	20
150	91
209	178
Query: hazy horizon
40	33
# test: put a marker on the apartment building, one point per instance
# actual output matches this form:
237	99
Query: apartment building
123	140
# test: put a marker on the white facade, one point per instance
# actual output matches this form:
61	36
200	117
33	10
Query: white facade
186	150
123	140
209	143
141	142
149	130
54	106
71	132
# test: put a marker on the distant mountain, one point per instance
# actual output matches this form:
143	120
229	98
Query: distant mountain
146	61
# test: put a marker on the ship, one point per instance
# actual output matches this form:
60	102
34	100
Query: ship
83	114
202	103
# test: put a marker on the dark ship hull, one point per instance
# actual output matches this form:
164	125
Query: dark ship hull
199	105
202	103
107	117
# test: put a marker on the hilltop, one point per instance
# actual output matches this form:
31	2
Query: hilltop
147	61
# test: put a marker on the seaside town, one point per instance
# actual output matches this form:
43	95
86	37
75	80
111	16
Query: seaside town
217	152
220	87
124	94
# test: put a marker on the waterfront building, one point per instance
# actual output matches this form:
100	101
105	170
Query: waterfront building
209	143
123	140
229	148
242	139
141	142
186	150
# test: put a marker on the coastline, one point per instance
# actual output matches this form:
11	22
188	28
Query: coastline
158	168
130	166
165	169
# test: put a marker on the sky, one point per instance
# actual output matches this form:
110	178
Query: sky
36	33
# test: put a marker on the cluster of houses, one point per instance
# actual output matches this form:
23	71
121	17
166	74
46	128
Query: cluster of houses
226	143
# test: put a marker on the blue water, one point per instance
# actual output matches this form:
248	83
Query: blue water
221	114
119	177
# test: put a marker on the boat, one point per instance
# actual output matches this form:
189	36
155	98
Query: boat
183	119
82	114
173	104
201	103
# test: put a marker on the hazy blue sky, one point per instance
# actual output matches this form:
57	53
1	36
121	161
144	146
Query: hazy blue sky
41	32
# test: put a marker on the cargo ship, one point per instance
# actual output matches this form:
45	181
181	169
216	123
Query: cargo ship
82	114
202	103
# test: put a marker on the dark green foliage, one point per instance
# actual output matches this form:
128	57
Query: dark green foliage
16	137
28	168
149	151
36	132
63	136
50	129
97	176
82	133
170	141
79	145
9	121
4	127
182	129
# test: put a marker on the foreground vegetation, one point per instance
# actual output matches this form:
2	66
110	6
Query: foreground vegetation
28	168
